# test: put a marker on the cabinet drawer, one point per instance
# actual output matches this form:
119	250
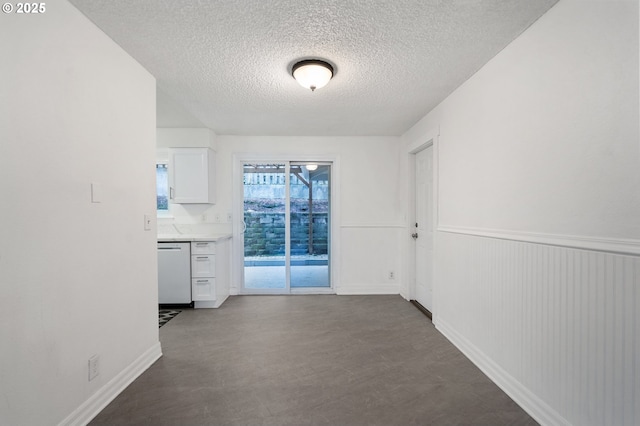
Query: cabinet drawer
203	289
203	247
203	266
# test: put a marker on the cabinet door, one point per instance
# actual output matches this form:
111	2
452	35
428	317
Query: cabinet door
203	266
203	289
191	172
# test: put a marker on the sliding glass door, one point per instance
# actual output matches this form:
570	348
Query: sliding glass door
286	209
309	199
265	227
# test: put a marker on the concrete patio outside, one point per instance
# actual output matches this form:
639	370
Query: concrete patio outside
268	272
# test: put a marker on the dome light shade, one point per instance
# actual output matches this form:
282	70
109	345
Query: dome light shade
312	73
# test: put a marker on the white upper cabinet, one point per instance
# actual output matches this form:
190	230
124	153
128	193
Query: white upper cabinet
192	175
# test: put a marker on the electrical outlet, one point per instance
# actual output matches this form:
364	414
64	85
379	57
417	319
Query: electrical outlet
229	217
217	218
94	367
392	275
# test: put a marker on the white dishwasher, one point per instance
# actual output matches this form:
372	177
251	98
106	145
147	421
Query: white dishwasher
174	273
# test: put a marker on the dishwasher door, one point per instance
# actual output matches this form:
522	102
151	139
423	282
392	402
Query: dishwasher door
174	273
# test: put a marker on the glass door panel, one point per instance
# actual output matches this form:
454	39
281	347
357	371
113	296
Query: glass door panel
265	209
309	185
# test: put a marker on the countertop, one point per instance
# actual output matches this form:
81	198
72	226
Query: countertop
192	237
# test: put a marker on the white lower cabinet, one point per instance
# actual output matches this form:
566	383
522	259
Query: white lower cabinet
203	289
203	271
203	265
210	272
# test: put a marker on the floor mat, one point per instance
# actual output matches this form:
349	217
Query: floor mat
166	315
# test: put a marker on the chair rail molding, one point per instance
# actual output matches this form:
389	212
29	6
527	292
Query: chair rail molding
608	245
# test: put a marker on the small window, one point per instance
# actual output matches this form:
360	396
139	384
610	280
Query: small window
162	188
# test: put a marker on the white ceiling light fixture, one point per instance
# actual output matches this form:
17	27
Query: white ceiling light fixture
312	73
311	167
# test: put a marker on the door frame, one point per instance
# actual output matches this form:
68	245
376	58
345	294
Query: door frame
431	139
237	261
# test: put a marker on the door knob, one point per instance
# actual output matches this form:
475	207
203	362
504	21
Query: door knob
414	236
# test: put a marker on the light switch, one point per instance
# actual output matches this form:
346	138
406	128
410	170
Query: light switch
96	192
147	222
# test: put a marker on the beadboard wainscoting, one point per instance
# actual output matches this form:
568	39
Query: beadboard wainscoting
558	328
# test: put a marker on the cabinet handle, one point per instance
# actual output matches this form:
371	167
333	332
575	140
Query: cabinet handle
202	258
171	193
202	281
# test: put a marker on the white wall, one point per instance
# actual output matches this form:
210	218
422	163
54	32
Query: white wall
538	152
76	278
545	137
370	212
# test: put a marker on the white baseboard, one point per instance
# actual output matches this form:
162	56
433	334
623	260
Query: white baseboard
221	300
538	409
366	289
210	304
96	403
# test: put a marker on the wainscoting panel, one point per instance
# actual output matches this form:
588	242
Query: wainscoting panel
557	328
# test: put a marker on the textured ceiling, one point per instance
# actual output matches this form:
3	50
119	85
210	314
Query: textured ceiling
170	113
227	63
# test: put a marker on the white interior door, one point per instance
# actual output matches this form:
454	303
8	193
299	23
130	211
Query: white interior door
423	232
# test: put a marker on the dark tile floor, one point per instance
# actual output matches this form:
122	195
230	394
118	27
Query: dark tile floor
306	360
166	315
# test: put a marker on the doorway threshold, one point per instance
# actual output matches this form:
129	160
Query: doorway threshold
422	309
